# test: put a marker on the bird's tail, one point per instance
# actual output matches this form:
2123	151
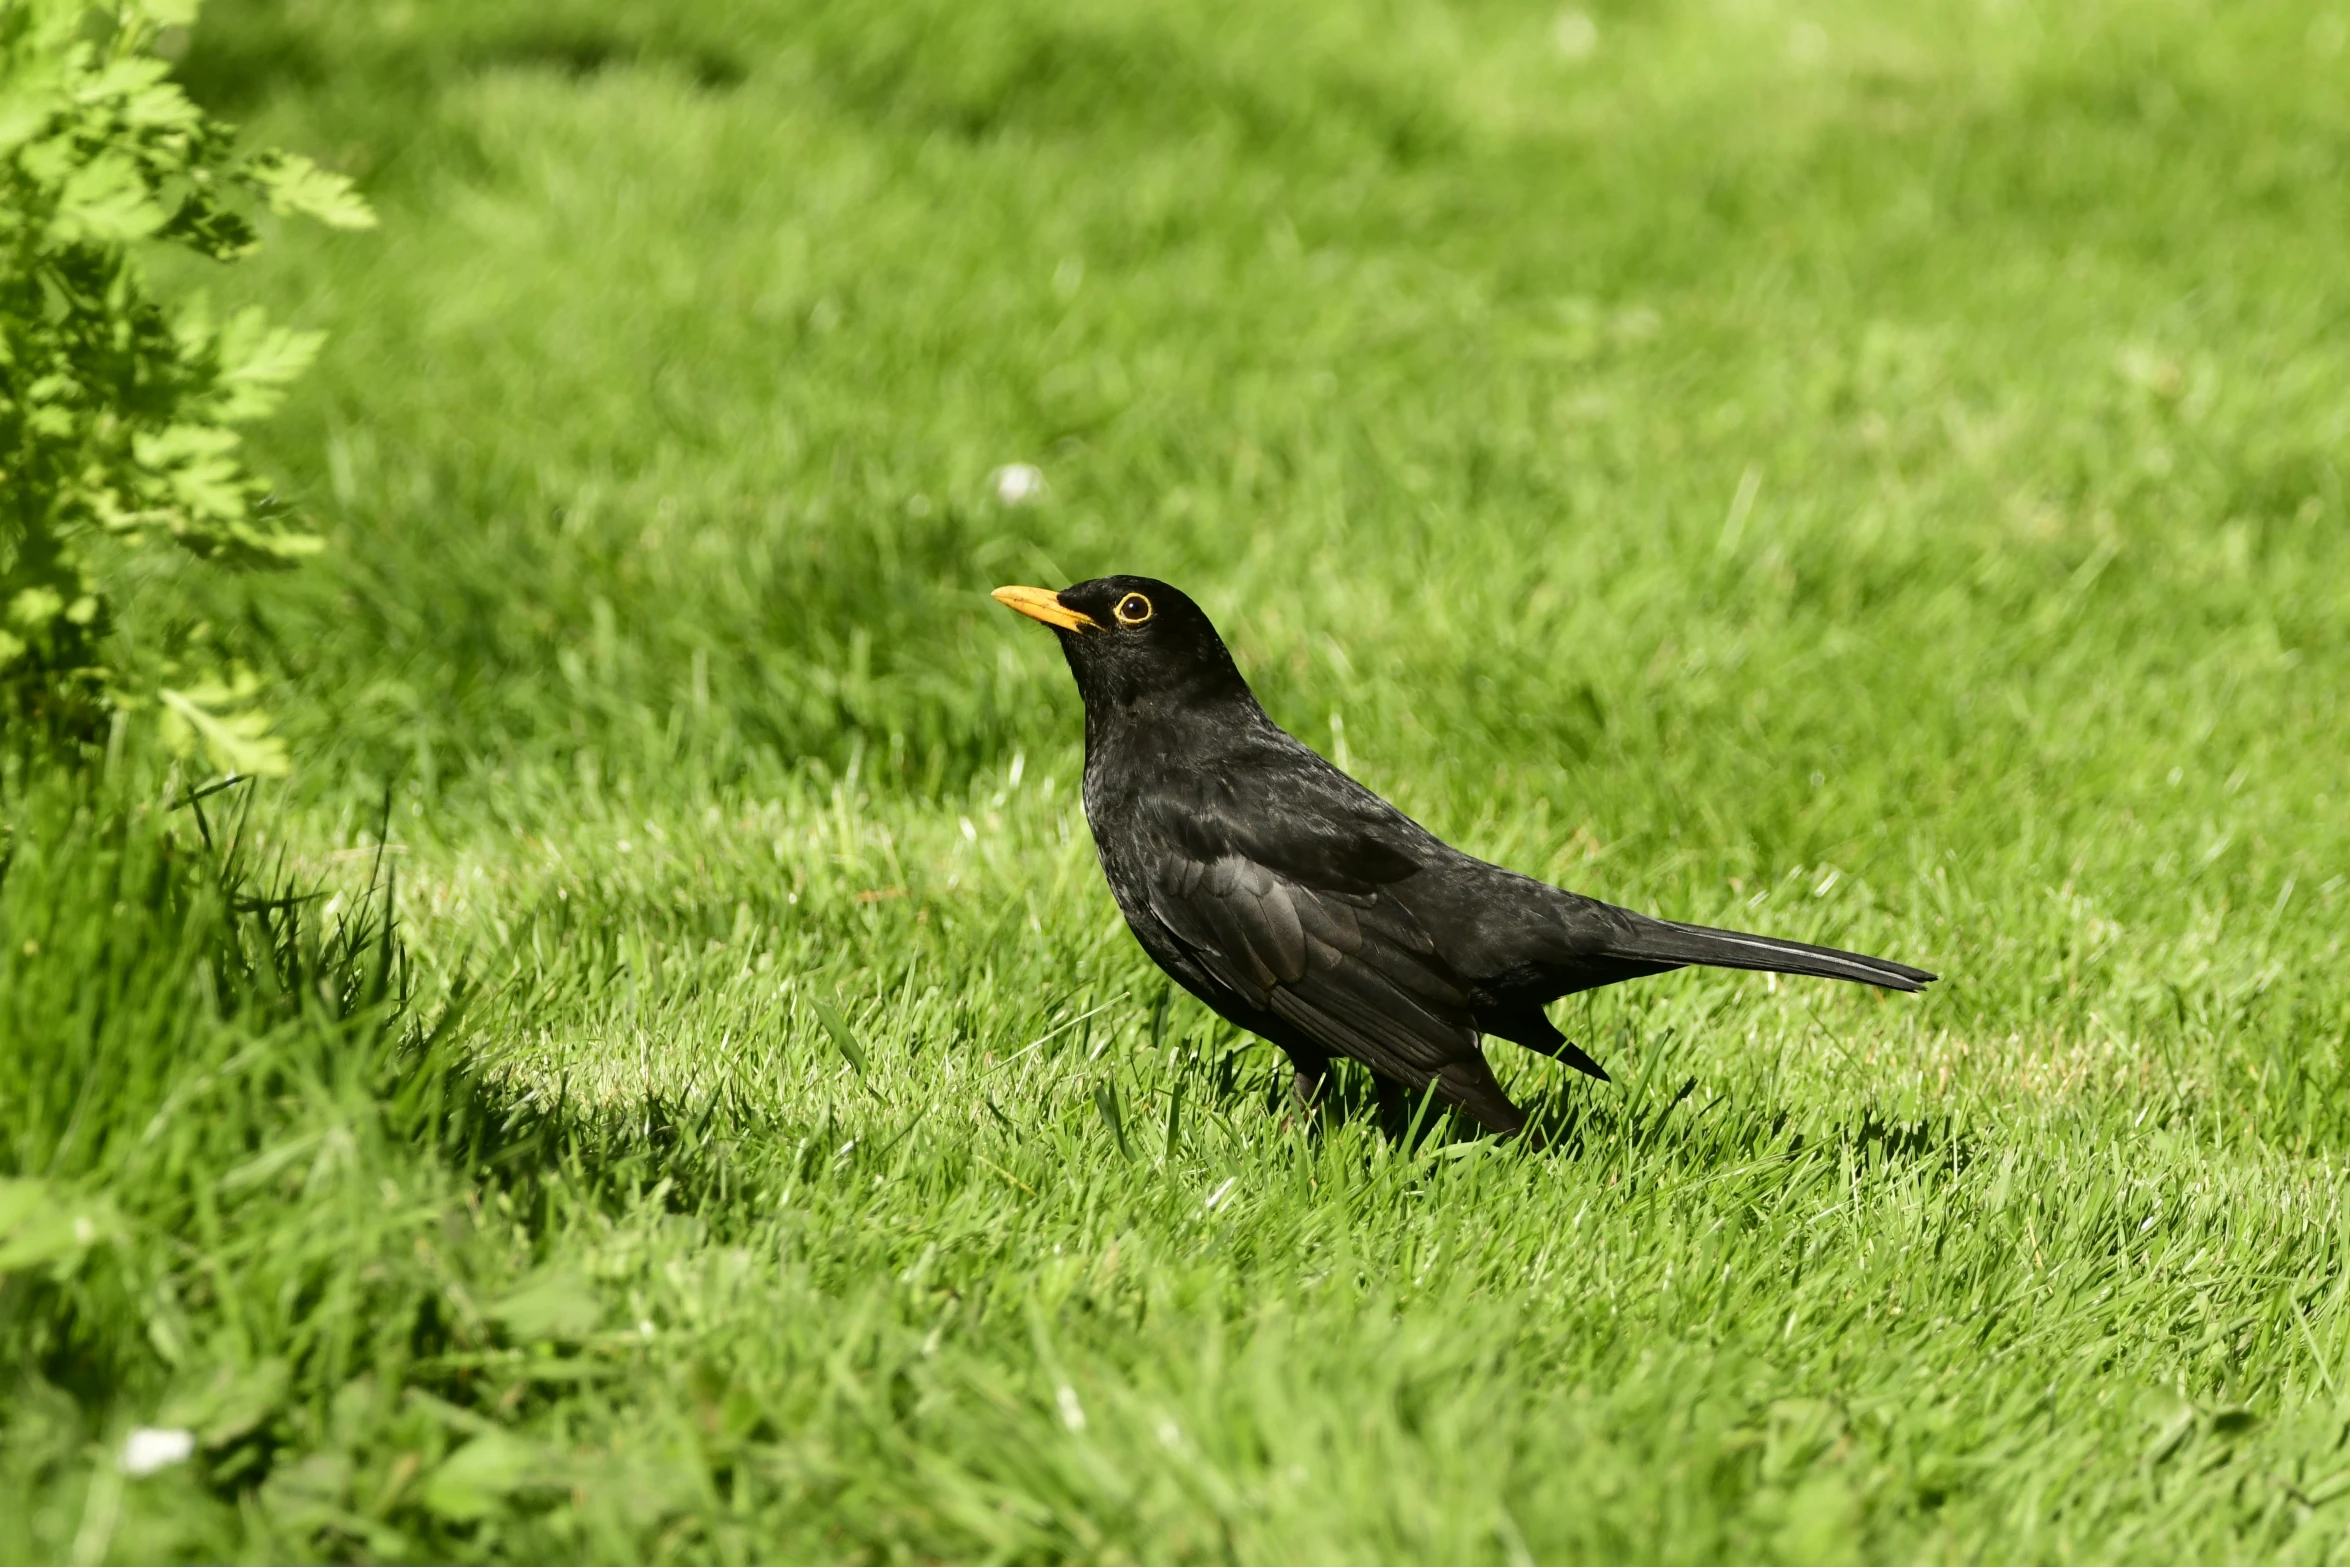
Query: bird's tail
1664	941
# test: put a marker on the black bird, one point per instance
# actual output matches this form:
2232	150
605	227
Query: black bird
1301	906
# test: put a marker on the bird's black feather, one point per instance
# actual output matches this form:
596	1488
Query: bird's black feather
1303	907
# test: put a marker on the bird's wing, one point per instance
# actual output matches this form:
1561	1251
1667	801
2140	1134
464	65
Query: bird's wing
1293	911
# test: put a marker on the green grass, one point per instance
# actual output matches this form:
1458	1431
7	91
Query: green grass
1871	474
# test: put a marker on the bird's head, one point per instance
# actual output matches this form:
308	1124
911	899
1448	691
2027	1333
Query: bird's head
1133	639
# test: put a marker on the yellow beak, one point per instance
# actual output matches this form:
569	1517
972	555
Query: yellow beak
1045	605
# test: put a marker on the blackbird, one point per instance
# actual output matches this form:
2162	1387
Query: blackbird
1304	908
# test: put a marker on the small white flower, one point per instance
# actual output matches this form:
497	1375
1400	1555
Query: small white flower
1575	34
644	1328
1072	1412
1017	483
150	1448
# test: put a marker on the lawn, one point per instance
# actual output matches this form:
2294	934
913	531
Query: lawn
1871	474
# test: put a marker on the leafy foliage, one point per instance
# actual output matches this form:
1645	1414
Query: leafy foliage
119	415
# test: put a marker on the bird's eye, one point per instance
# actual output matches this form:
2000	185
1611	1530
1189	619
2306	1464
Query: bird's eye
1133	610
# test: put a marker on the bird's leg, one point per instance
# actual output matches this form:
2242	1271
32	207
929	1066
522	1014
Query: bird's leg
1315	1089
1396	1107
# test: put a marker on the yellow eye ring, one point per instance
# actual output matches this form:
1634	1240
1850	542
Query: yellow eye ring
1133	610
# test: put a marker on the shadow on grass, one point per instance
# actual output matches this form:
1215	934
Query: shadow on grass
1657	1114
